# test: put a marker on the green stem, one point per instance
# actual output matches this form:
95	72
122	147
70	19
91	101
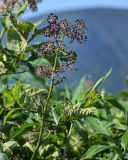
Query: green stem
2	33
44	110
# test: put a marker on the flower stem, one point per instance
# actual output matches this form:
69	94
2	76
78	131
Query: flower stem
44	110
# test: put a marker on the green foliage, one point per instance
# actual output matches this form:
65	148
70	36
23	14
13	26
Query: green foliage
125	140
92	126
94	150
48	123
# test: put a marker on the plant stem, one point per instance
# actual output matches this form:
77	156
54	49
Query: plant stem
44	110
2	33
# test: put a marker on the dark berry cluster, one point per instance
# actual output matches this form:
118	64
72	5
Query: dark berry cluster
65	58
62	66
56	29
33	4
44	71
46	48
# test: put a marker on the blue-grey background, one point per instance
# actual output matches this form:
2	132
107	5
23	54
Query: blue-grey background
107	43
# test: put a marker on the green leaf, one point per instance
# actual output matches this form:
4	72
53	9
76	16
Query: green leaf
2	88
22	8
40	62
8	145
115	103
92	92
55	116
8	99
32	47
16	92
124	141
20	130
25	28
37	23
34	91
93	150
5	129
67	92
51	59
36	32
21	100
2	21
100	81
7	22
12	111
13	40
2	33
97	125
116	157
79	91
29	146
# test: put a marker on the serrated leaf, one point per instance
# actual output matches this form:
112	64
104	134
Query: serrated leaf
124	141
8	99
20	130
28	145
34	91
8	145
12	111
93	150
16	92
97	125
55	116
13	40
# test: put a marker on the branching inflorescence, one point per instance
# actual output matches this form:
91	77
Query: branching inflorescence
57	31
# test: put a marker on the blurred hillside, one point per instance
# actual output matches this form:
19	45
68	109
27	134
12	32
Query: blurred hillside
106	45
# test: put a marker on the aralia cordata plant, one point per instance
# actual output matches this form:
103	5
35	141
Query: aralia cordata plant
49	123
20	57
63	59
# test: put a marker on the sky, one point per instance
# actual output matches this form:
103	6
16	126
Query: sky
62	5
